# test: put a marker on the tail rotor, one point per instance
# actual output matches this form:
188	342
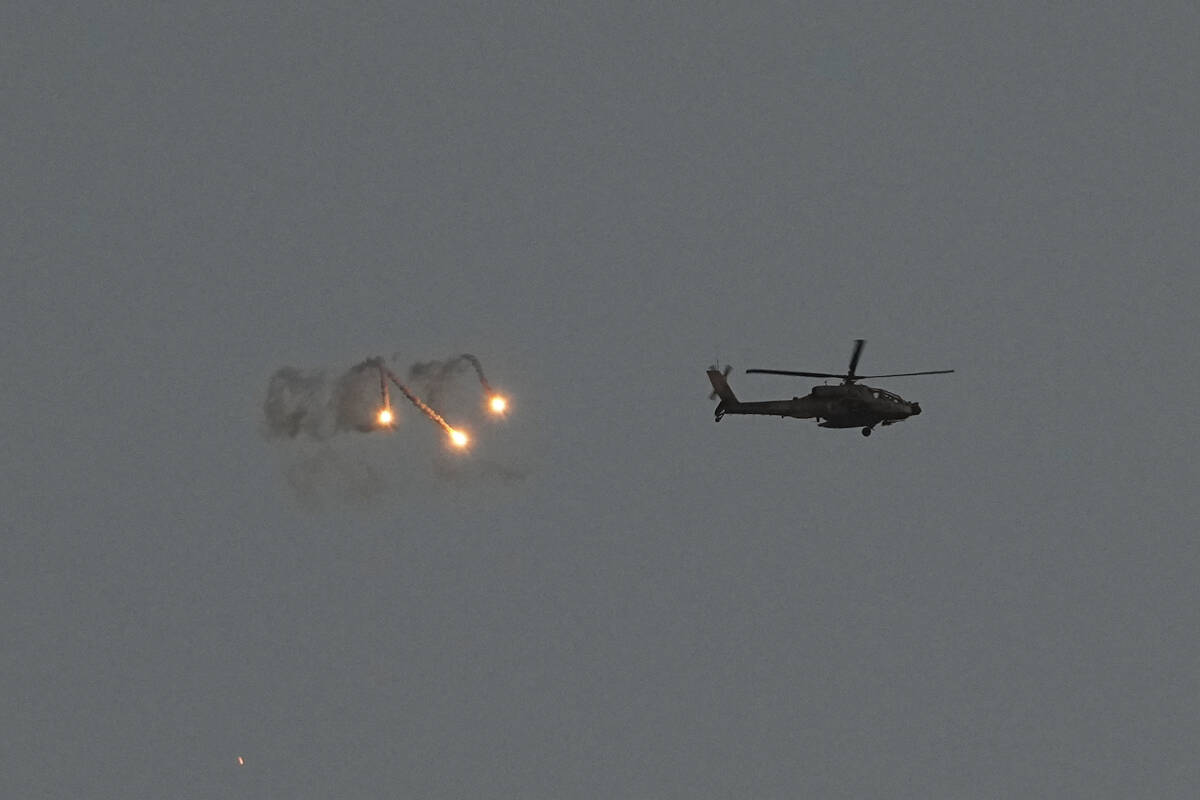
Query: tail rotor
724	374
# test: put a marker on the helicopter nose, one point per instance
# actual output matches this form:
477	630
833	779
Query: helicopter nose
916	408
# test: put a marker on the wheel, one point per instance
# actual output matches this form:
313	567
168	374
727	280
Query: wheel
866	431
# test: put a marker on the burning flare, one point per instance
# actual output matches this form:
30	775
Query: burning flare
458	438
436	374
385	417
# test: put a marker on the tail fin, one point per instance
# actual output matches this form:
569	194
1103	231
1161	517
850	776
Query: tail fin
721	389
721	386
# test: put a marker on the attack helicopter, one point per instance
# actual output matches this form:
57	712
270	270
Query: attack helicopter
848	404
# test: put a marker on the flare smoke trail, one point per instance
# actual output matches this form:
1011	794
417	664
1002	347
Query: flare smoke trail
487	387
310	403
416	401
435	374
314	407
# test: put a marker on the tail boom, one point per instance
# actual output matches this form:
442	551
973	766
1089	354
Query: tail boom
796	407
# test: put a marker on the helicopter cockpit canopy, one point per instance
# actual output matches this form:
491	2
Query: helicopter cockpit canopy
885	395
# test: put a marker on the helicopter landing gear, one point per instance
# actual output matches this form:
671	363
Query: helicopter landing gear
866	431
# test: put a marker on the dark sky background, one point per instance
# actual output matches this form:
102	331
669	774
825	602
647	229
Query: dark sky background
609	596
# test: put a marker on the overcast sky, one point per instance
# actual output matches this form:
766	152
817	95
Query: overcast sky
609	595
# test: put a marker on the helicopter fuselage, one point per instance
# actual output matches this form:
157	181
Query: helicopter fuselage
844	406
849	404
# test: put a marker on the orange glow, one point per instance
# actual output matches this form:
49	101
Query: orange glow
385	416
459	438
241	761
499	404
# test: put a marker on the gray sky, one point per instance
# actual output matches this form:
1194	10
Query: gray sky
996	599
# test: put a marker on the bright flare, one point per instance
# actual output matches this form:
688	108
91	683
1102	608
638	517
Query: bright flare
385	416
499	404
458	437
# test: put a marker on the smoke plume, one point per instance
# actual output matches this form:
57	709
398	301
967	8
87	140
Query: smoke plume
309	409
312	404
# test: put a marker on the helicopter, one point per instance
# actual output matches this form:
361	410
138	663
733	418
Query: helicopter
846	405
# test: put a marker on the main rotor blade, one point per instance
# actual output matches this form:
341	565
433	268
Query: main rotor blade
903	374
801	374
858	346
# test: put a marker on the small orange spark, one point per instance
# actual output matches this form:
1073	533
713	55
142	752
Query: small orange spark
241	761
385	416
499	404
459	438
